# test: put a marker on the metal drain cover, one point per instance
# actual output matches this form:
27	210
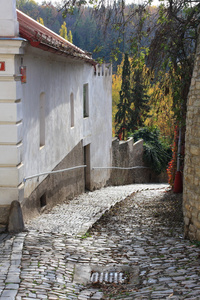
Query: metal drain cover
118	274
108	277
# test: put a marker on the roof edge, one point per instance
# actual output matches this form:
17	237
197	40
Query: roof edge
42	37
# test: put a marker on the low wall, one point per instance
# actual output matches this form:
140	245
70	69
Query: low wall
127	154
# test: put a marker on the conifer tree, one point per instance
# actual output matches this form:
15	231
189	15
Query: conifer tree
123	115
139	98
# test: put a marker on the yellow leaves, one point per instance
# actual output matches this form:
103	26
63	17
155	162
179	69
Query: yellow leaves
161	112
33	2
116	87
63	30
40	20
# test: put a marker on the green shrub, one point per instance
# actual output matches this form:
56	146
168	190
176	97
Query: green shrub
156	153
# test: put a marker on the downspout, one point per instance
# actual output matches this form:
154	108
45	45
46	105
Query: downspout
178	185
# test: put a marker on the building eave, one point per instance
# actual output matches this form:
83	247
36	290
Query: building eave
43	38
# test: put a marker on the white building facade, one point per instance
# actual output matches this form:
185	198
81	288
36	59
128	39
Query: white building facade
55	114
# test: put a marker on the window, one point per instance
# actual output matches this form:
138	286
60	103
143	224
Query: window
72	109
85	101
42	119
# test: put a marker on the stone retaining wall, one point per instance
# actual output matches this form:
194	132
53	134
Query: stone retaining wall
191	192
128	154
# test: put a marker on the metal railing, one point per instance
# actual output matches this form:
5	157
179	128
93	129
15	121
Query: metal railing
121	168
52	172
77	167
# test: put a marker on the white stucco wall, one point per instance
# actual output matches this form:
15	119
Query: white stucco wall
58	77
101	119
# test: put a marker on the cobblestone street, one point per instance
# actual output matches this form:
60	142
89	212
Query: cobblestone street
137	229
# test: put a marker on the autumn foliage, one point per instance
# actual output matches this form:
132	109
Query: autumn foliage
171	170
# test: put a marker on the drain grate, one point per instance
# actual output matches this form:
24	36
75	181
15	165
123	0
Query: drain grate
108	277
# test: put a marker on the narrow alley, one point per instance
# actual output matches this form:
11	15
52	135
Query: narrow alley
134	230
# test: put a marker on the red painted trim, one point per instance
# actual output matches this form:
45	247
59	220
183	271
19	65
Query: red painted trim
2	66
34	44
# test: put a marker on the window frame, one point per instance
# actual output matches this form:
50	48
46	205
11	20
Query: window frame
42	119
86	100
72	109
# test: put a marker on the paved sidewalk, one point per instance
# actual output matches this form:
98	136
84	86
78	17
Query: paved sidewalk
55	257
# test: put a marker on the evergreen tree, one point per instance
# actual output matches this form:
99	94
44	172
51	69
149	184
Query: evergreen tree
123	115
139	96
139	99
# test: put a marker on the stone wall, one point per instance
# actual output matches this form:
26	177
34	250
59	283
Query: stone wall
191	192
127	154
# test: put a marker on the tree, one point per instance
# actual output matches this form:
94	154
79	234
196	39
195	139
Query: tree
70	39
24	2
116	87
139	99
175	43
161	113
123	115
46	11
63	31
40	20
139	95
29	7
115	20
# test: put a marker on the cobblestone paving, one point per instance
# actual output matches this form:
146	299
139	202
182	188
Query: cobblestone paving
147	232
45	262
78	215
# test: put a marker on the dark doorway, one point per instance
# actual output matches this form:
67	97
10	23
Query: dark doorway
87	169
43	201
